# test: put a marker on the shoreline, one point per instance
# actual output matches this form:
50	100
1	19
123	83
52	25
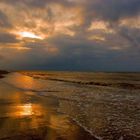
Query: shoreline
57	78
36	118
45	111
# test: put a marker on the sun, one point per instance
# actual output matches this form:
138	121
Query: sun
29	35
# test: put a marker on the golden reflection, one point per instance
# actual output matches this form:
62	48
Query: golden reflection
22	110
26	110
24	82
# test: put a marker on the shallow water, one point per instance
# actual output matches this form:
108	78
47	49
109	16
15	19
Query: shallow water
70	105
26	115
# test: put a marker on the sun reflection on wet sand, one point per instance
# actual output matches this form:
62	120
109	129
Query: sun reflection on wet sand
25	83
25	114
26	110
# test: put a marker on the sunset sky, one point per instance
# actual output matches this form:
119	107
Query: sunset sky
101	35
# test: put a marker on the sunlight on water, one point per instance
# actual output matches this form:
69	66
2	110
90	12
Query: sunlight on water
24	114
26	110
103	109
24	81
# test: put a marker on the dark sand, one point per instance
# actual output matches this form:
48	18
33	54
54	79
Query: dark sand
25	116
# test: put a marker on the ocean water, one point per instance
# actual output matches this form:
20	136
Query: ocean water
106	105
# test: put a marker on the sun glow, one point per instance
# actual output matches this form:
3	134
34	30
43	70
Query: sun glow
26	110
29	35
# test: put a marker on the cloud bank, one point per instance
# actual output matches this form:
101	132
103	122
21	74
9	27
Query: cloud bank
101	35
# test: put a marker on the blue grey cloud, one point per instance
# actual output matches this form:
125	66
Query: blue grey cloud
4	22
115	48
8	38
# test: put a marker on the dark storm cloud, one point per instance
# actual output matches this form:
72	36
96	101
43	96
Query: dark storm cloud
108	10
90	55
4	22
8	38
38	3
77	54
113	10
131	34
97	49
42	3
74	54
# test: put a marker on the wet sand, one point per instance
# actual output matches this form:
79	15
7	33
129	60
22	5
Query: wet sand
43	107
26	116
2	73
